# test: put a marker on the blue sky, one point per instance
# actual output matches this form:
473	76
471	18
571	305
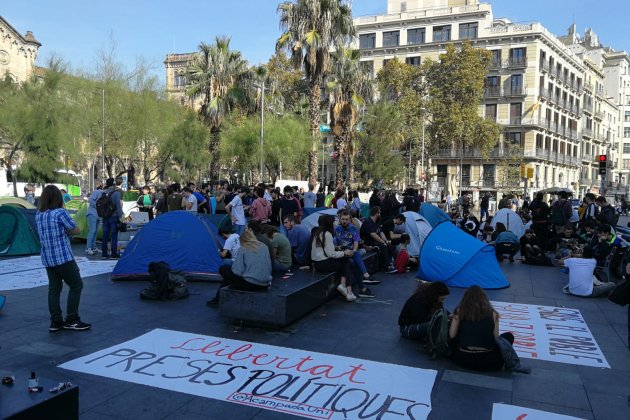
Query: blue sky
77	29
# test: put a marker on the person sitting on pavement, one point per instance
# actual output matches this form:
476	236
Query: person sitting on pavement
372	236
414	319
582	279
505	242
299	238
389	227
607	239
280	249
607	214
530	247
231	245
474	327
346	237
566	243
251	270
470	225
405	241
326	259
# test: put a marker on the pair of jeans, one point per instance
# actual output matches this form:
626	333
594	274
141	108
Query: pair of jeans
92	230
57	275
340	266
384	255
357	260
483	210
239	229
276	267
110	228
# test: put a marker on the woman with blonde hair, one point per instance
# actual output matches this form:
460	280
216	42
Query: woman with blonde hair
251	270
473	330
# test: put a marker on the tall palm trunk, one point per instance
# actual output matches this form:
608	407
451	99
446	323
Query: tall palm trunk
350	151
341	158
313	114
215	152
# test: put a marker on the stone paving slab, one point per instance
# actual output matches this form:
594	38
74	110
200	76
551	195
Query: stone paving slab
365	329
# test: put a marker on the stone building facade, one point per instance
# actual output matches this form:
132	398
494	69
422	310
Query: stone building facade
549	98
17	52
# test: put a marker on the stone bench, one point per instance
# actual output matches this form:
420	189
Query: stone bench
286	301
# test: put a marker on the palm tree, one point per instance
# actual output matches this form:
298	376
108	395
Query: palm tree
349	92
311	28
215	76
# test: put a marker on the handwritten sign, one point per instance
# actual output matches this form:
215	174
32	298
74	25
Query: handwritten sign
512	412
28	272
550	333
298	382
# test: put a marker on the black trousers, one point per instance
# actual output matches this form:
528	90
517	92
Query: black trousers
340	266
385	253
237	282
485	361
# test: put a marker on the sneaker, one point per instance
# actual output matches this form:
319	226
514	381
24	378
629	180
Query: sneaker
89	252
343	291
565	290
391	270
366	293
77	325
55	326
212	302
371	280
351	297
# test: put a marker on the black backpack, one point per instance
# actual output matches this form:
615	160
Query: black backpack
105	206
437	336
165	284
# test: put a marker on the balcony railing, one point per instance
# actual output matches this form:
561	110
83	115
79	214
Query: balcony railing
488	182
588	158
496	64
588	107
599	115
515	91
471	153
544	65
586	181
516	63
492	92
587	132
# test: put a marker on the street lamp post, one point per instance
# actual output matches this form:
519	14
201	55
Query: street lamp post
103	144
422	173
262	128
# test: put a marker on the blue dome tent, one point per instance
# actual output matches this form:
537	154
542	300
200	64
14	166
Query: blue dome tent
186	241
433	214
459	260
418	228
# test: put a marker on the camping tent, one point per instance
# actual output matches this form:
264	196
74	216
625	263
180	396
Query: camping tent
511	220
308	211
187	242
80	218
16	202
418	228
433	214
17	236
451	255
312	221
218	220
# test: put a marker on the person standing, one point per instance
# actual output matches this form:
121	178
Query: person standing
236	210
92	220
110	223
189	200
145	202
310	198
29	194
54	224
484	205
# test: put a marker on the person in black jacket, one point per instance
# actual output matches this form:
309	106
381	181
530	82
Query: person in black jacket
540	212
375	198
415	317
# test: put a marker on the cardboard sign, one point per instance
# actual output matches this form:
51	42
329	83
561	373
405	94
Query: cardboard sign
298	382
512	412
550	333
28	272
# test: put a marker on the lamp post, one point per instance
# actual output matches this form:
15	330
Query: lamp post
422	172
103	143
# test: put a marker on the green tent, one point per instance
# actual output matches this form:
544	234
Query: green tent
17	236
16	202
80	218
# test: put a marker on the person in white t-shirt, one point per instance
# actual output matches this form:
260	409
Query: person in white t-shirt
236	210
231	246
341	200
190	201
582	281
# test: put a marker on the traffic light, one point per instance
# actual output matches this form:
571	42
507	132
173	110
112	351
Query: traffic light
603	161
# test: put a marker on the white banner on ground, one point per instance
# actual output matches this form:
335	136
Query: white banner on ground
512	412
28	272
298	382
550	333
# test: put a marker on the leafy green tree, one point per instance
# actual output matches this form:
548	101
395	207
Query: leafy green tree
288	82
32	123
184	153
286	145
350	90
216	76
311	29
455	86
379	159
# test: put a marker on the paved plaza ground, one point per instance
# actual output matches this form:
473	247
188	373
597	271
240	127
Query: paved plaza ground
366	329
